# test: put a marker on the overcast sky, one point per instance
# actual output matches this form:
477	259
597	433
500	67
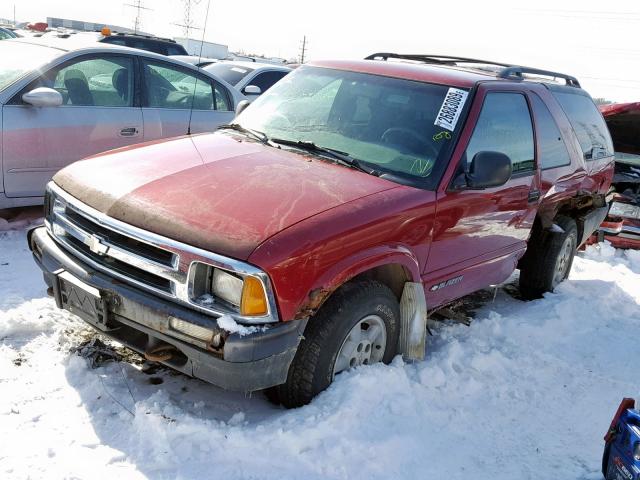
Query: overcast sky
593	40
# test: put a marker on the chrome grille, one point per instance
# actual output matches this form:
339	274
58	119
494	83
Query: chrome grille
141	258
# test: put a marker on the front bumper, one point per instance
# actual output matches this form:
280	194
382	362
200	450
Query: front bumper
138	319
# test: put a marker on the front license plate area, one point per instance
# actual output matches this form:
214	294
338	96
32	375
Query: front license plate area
83	300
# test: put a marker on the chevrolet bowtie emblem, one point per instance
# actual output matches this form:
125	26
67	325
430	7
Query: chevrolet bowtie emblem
95	245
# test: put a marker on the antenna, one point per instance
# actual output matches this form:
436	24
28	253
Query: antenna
193	97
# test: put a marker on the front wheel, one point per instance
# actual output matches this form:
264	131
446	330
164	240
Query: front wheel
358	325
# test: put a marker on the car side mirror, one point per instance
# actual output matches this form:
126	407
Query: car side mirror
251	90
242	106
488	169
43	97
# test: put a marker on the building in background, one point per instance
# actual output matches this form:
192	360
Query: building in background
87	26
209	49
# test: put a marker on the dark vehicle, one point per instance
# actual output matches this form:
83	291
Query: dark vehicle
314	233
621	457
162	46
622	225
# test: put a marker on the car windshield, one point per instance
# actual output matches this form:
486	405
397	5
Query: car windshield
18	59
229	72
395	126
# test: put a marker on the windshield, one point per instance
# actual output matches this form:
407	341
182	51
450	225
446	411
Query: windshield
18	59
399	127
229	72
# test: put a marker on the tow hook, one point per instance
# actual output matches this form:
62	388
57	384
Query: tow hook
158	351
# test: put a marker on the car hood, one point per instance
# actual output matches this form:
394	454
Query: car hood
219	192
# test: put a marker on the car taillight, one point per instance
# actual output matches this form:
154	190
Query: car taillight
625	404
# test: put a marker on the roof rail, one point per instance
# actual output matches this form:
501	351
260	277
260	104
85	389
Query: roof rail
508	71
435	59
142	35
517	72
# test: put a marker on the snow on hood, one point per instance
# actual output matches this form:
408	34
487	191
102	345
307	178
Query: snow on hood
214	191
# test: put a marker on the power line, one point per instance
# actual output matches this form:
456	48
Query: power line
584	14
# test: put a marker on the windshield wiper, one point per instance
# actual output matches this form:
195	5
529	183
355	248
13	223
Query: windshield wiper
338	155
262	137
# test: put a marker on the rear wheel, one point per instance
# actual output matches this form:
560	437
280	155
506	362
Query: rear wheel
549	259
358	325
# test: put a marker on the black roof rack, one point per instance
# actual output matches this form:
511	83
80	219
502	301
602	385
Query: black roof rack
508	71
516	72
115	33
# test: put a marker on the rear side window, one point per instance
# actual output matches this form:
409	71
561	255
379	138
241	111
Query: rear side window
176	50
174	88
266	80
552	152
588	124
229	72
504	125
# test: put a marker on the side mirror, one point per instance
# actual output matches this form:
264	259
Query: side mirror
251	90
489	169
43	97
241	107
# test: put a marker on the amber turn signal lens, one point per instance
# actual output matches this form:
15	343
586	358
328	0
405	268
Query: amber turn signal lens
254	300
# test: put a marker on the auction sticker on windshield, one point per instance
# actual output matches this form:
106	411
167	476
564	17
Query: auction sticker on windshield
451	108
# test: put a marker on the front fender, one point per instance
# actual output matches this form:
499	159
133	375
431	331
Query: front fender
308	261
353	265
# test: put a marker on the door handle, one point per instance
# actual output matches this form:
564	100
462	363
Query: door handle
129	132
534	196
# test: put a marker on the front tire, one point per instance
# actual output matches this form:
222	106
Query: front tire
358	325
549	259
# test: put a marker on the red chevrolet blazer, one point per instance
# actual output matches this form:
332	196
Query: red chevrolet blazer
315	233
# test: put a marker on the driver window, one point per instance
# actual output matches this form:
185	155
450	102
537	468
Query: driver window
168	87
98	82
504	125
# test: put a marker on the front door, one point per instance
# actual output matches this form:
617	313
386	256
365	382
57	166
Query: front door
479	234
97	114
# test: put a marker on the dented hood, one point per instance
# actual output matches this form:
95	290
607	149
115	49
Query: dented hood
217	191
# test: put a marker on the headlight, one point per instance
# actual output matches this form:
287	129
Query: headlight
636	451
213	287
226	286
625	210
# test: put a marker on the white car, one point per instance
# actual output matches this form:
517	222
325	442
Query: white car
60	103
251	78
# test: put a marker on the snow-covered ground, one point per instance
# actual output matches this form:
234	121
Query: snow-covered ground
527	391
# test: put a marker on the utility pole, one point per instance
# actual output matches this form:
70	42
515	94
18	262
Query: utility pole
304	49
188	19
138	5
